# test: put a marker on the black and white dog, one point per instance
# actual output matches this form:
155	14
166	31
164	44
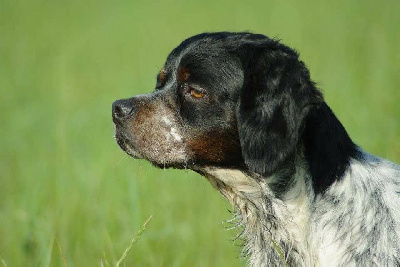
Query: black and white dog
241	110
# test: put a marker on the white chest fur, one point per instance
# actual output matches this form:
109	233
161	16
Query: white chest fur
276	230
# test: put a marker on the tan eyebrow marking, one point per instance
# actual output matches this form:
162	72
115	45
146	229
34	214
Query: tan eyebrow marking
161	78
183	74
162	75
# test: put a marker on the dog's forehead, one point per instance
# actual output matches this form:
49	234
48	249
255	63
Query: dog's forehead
195	52
215	44
207	62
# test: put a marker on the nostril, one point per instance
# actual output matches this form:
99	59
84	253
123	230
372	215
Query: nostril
121	109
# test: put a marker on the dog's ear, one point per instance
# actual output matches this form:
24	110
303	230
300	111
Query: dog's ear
274	100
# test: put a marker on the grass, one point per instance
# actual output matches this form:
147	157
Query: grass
69	196
133	242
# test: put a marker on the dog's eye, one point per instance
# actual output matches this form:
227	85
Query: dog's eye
196	93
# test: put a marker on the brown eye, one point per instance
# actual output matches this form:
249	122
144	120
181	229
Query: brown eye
196	93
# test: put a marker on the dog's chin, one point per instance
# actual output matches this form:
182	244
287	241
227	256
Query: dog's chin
131	152
174	165
125	144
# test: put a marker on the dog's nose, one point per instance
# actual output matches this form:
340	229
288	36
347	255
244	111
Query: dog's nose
121	109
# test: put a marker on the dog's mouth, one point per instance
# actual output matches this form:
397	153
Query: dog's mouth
126	145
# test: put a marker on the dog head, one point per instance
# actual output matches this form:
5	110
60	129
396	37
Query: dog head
237	100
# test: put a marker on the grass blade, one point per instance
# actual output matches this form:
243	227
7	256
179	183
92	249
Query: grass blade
134	240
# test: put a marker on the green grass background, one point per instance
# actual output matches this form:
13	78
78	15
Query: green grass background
66	190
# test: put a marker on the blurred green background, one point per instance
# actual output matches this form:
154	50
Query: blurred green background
67	192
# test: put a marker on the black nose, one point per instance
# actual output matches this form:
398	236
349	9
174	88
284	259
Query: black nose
121	109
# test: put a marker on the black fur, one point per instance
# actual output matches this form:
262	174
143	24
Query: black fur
328	148
275	98
259	96
281	111
242	110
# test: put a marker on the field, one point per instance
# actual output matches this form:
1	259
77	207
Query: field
70	197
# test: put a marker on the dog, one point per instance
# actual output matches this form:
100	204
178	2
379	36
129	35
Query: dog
241	110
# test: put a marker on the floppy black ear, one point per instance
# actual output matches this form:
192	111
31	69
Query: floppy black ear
274	101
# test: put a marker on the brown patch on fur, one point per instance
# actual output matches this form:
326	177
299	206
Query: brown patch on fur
216	147
139	132
161	78
154	133
183	75
162	75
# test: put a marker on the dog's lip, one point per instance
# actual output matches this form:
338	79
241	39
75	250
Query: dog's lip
126	145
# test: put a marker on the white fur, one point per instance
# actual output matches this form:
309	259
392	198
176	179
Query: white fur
368	201
172	132
355	223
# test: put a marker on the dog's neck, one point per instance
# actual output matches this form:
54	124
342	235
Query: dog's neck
273	223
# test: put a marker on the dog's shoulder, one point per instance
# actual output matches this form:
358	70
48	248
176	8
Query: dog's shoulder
357	220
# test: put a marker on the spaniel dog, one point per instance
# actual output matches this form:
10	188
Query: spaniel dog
241	110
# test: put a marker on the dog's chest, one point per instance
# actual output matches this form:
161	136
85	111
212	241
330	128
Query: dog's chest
276	230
